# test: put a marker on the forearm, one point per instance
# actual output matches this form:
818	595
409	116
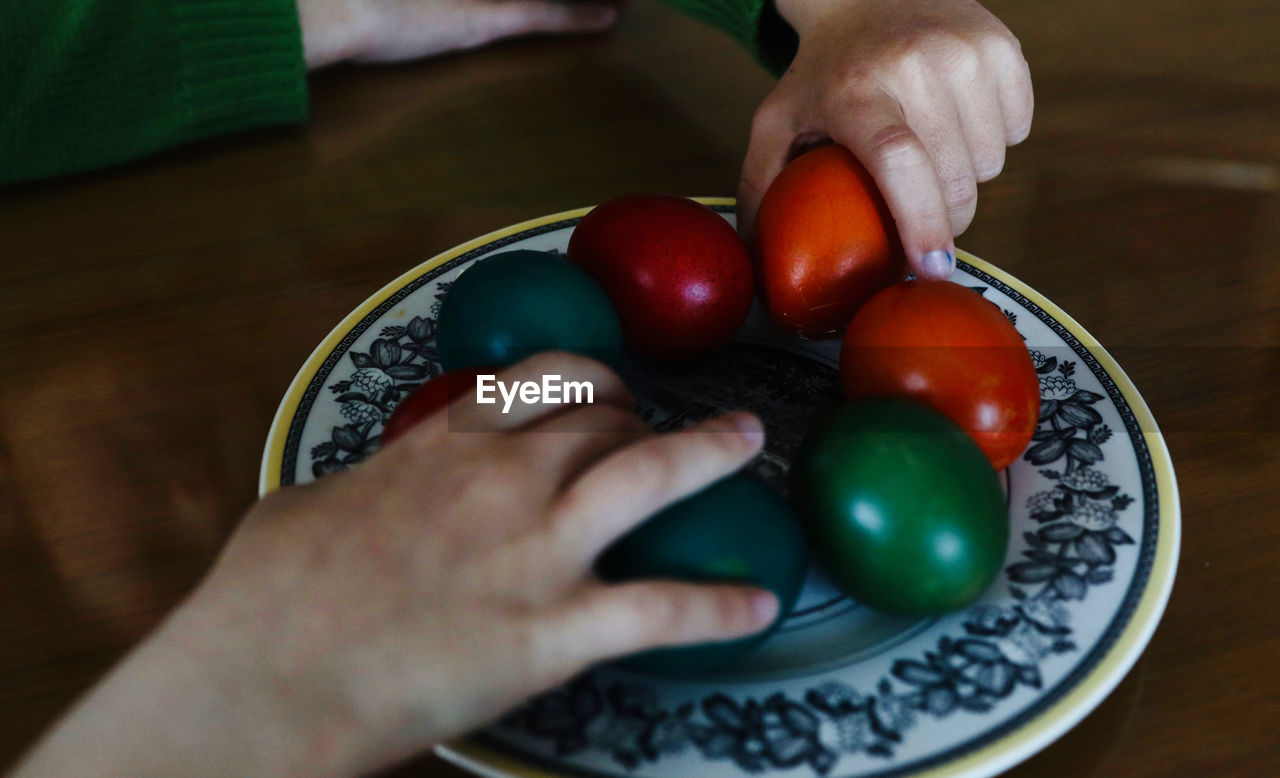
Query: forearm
88	83
178	705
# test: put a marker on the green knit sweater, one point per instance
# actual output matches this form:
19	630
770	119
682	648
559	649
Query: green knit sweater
89	83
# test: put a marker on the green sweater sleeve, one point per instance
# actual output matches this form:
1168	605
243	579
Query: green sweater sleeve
89	83
753	23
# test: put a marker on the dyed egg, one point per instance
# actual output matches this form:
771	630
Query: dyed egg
901	506
510	306
678	274
736	530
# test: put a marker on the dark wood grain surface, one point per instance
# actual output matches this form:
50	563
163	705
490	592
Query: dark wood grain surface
152	316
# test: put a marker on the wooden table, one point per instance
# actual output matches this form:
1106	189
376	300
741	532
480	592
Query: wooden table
152	316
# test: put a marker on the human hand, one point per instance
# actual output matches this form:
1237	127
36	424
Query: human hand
357	620
395	30
925	93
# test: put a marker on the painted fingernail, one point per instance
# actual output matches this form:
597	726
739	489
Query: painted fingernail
938	264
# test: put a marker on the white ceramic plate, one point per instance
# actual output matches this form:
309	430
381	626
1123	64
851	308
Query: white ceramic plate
840	690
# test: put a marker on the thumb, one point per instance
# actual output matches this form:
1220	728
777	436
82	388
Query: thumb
510	18
771	139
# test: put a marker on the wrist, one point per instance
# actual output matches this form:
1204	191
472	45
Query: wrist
333	31
181	705
229	673
804	15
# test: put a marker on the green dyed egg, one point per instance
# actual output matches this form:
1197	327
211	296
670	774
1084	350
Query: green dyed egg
901	506
510	306
737	530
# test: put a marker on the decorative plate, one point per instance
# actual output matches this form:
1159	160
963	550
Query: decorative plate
840	690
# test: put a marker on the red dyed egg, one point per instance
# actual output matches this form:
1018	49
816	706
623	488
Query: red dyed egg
431	397
678	275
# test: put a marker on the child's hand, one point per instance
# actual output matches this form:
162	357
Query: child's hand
925	93
393	30
360	619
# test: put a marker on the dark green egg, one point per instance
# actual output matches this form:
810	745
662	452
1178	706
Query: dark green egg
737	530
901	506
510	306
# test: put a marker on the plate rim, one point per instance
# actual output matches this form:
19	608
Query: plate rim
1001	754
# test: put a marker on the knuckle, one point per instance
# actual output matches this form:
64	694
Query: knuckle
989	164
858	81
730	609
910	45
909	68
895	145
961	60
654	466
960	192
1005	45
1020	120
960	219
659	612
961	195
1017	96
933	43
473	482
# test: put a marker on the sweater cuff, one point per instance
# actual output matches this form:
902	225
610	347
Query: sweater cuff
753	23
241	65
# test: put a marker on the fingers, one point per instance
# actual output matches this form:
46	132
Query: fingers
526	17
771	138
571	379
638	481
1013	91
608	621
933	111
568	443
878	134
982	126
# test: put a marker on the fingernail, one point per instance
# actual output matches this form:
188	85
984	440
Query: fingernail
749	426
764	607
938	264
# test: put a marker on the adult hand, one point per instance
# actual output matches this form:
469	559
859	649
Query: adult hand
395	30
925	93
357	620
